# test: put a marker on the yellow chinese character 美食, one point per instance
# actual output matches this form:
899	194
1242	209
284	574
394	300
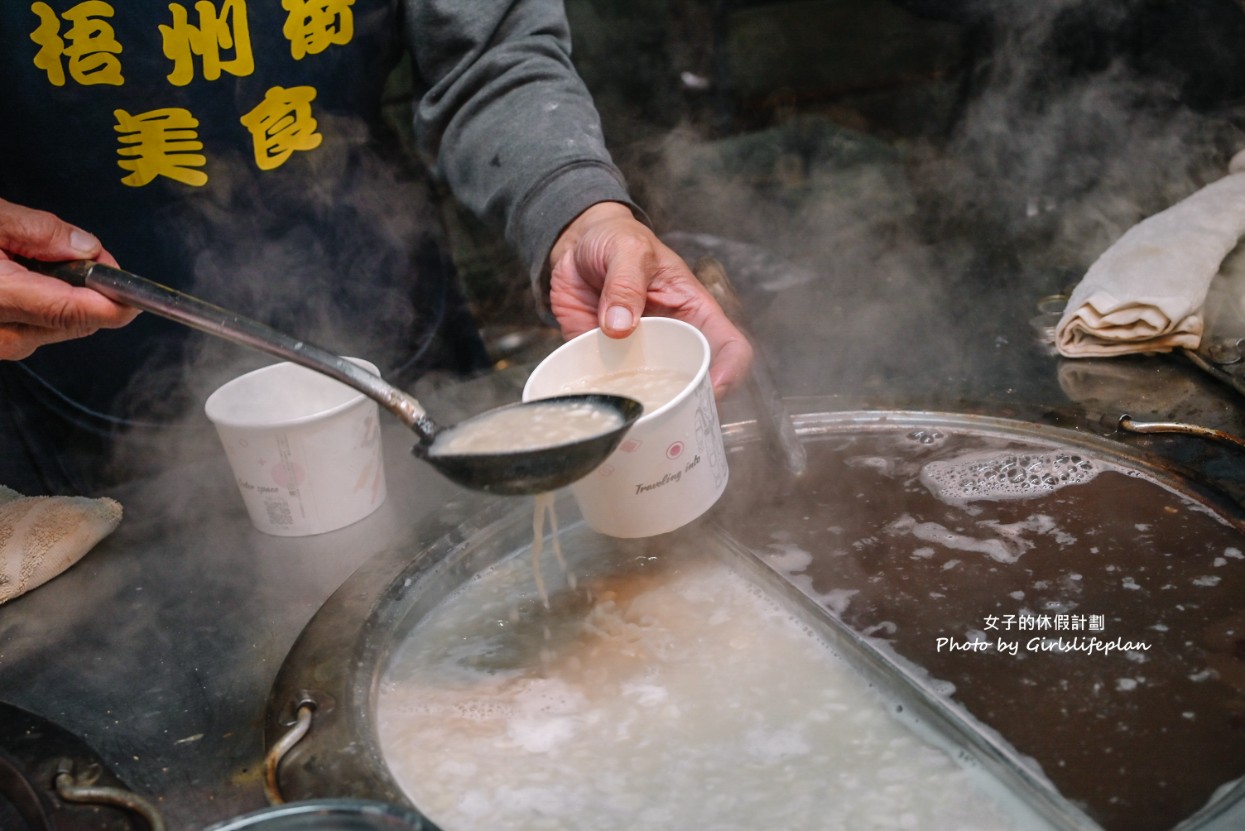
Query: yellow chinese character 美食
281	124
216	34
314	25
161	142
89	44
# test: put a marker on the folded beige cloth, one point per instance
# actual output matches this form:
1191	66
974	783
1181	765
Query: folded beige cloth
1146	292
41	536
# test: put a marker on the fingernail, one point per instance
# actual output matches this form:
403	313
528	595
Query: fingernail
82	242
617	317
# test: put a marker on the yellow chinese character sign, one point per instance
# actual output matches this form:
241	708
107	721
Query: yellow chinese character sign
88	46
200	41
160	143
281	124
314	25
222	41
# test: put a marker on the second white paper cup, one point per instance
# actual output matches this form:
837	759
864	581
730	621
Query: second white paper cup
305	449
671	466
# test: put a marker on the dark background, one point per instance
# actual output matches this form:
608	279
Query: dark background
745	119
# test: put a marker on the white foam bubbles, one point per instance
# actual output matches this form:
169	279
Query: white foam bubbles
998	475
1006	544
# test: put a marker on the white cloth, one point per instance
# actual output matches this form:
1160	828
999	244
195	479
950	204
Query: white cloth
1147	290
41	536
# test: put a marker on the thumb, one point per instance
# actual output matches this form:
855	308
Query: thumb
623	297
43	235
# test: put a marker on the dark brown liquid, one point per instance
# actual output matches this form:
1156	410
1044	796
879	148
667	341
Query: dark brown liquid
1140	741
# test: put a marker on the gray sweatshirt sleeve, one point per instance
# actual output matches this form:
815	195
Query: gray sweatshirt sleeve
505	120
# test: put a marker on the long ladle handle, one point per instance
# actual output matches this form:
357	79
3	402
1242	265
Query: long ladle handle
774	418
132	290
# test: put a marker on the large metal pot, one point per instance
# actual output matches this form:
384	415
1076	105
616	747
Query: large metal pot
1147	739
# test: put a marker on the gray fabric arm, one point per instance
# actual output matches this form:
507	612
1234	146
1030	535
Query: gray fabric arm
506	121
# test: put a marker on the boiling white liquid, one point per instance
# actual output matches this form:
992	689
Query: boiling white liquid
529	427
652	386
681	700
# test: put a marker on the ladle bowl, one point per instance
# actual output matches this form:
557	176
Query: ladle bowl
534	470
528	470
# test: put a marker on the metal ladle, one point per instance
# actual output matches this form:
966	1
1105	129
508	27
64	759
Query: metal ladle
773	418
513	472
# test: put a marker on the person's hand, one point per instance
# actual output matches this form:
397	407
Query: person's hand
35	309
609	269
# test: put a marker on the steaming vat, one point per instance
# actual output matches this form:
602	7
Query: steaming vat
669	692
906	584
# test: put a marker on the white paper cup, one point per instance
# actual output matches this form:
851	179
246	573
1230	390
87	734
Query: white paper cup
305	449
671	466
